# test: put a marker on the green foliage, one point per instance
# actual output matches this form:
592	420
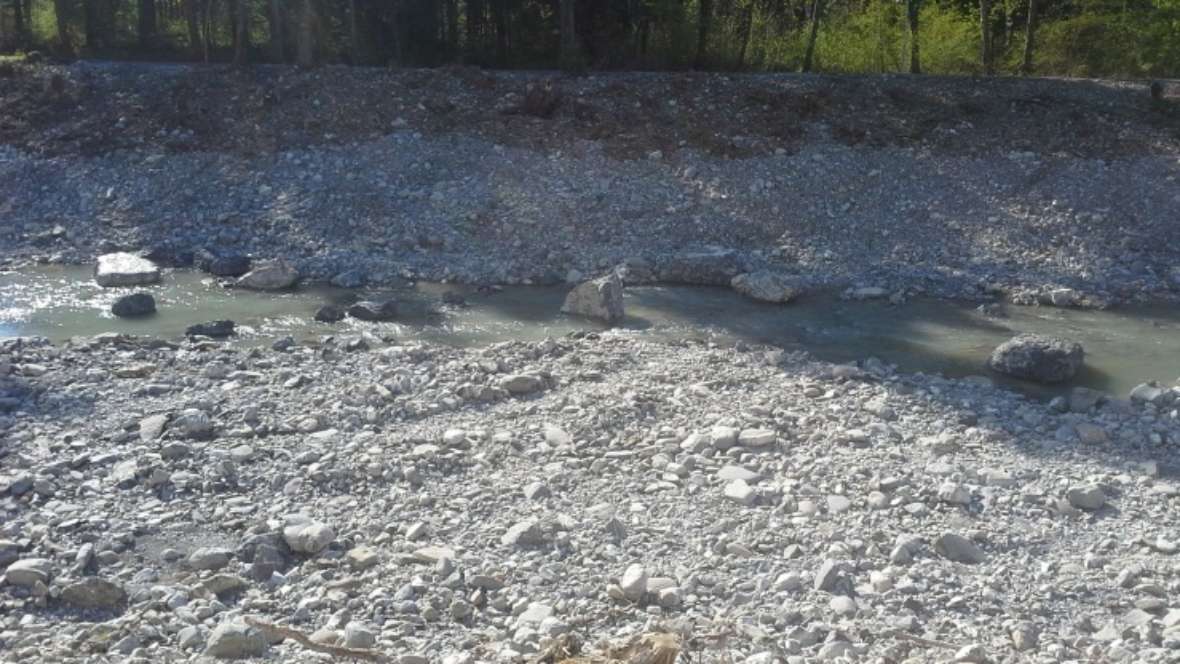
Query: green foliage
949	41
868	38
1075	37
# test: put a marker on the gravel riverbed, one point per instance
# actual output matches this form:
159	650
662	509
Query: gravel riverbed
164	501
446	505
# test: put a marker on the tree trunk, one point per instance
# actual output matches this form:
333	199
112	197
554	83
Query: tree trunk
90	27
207	12
453	26
18	24
500	18
1026	66
817	8
569	36
275	21
913	10
61	12
474	13
354	33
985	36
704	18
747	28
305	51
241	16
147	23
191	17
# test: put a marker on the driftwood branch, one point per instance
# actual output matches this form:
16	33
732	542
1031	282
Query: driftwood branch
303	640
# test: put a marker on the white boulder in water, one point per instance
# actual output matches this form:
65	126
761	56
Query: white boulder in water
123	269
601	299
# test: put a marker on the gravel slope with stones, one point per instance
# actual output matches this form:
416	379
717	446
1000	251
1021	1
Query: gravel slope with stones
474	505
955	187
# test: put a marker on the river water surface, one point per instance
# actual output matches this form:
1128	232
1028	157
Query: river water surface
1124	347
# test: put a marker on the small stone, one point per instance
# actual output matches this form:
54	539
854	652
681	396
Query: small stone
94	593
359	635
215	329
310	538
634	582
525	533
757	438
843	605
828	576
362	558
1024	636
152	427
374	310
971	654
740	492
1089	497
190	638
723	438
209	558
193	423
536	491
730	473
959	549
234	639
28	571
954	494
522	384
329	313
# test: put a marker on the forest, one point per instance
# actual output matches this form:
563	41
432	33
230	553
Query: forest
1088	38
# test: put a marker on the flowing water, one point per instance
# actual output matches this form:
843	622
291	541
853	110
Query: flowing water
1124	347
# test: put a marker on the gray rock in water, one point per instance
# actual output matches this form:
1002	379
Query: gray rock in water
136	304
123	269
1038	358
329	313
766	286
600	299
233	265
272	275
959	549
374	310
94	593
1148	393
217	328
234	639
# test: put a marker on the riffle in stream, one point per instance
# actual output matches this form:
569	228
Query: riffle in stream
1124	347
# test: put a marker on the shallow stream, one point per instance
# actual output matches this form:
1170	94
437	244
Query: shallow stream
1124	347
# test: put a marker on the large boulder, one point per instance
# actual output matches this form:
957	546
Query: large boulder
329	313
271	275
601	299
1038	358
136	304
766	286
231	265
123	269
374	310
308	537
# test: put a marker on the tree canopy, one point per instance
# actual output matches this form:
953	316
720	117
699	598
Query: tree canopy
1063	37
